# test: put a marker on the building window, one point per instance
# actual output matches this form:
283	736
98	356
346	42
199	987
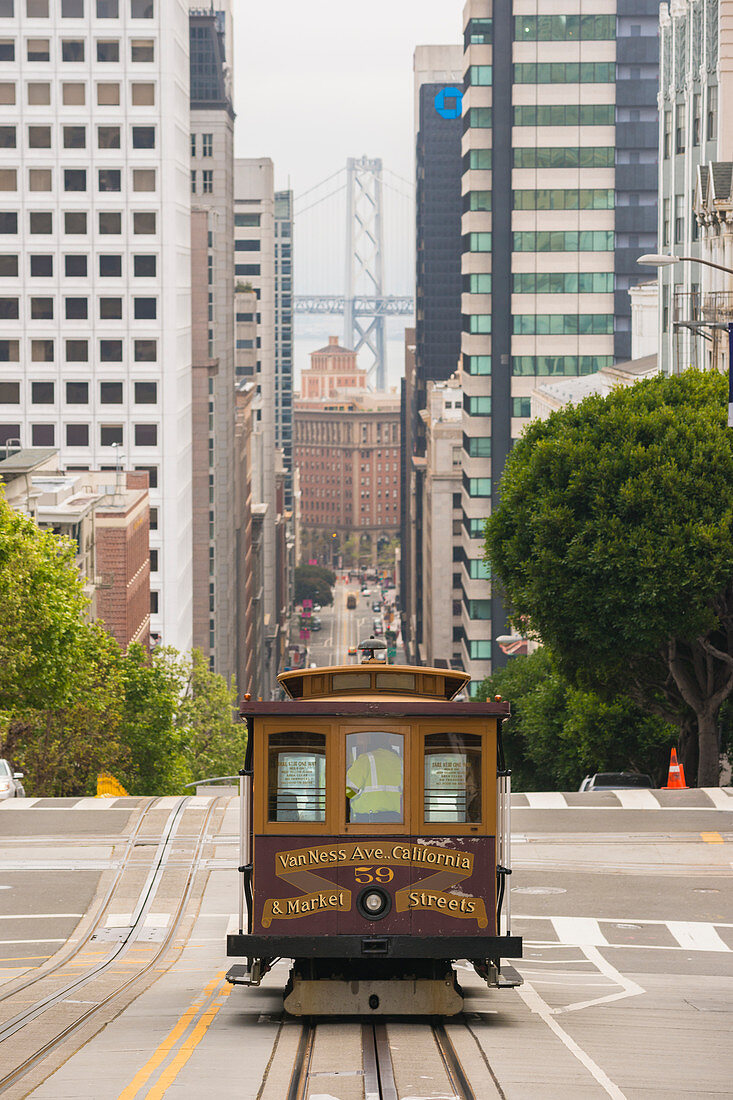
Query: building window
153	603
680	135
146	309
37	49
193	182
696	119
9	351
43	393
141	9
110	267
75	179
43	435
41	267
146	393
110	435
76	351
9	393
143	95
42	309
143	137
153	519
108	50
142	49
146	351
75	137
110	179
39	179
712	113
72	50
152	472
666	205
207	181
143	179
108	137
146	435
39	137
108	9
110	393
108	95
75	267
667	140
207	145
110	351
77	393
477	486
153	561
8	222
521	406
73	95
41	222
42	351
9	433
76	309
110	309
77	435
145	267
7	92
143	222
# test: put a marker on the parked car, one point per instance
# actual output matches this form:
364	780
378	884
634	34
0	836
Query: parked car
365	591
10	782
315	623
377	627
376	606
611	781
316	607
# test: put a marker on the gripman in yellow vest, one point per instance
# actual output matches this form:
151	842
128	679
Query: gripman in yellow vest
374	781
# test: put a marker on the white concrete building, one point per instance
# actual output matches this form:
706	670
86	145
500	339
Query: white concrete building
95	343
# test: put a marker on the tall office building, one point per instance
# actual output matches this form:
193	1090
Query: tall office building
95	341
284	337
695	151
254	273
215	567
548	96
438	81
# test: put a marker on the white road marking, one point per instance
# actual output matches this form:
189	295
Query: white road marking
696	936
118	920
18	803
168	802
157	920
629	988
534	1003
580	931
637	800
4	943
37	916
719	798
546	800
94	804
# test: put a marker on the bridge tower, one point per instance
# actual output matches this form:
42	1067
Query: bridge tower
364	266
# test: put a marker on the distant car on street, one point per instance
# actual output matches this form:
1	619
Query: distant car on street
10	785
317	607
352	651
351	601
365	591
315	623
377	626
611	781
376	606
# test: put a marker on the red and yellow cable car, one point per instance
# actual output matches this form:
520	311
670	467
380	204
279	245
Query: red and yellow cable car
374	840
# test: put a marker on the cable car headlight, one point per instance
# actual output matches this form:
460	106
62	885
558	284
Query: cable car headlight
374	903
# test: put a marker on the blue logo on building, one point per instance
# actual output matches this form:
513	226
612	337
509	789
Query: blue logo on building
449	102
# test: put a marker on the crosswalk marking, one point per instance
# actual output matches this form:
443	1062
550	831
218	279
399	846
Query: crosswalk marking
94	804
696	936
18	803
637	799
719	798
546	800
583	931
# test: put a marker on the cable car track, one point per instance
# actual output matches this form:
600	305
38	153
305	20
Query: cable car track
377	1063
147	894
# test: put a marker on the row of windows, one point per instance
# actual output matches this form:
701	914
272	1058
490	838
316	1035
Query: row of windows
476	323
477	446
74	49
680	143
478	283
75	222
77	309
558	114
478	160
476	200
477	406
77	435
77	393
564	156
77	351
75	137
478	570
477	486
569	324
577	198
479	650
75	180
76	266
478	118
564	28
563	282
478	76
478	609
74	9
247	219
477	242
477	364
565	72
74	93
584	240
568	365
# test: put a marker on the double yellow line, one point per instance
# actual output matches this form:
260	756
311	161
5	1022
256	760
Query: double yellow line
210	1001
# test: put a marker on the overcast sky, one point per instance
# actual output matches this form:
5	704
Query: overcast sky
321	81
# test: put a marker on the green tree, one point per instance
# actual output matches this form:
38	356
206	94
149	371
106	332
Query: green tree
314	582
153	687
213	737
41	624
614	541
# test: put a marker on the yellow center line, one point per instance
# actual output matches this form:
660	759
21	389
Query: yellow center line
169	1042
188	1046
712	838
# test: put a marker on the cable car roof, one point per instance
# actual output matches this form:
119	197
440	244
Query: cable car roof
373	678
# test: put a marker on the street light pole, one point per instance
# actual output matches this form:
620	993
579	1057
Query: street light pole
662	260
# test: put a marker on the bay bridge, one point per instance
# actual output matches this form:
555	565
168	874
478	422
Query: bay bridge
371	240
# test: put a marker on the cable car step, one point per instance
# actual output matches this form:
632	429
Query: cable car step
509	978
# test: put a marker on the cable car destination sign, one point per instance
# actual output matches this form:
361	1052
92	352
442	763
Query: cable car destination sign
449	867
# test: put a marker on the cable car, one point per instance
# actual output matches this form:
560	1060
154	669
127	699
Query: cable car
374	840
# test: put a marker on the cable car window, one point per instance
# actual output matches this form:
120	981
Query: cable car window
375	777
395	681
349	681
452	778
296	784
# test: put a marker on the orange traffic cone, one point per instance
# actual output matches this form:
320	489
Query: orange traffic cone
676	778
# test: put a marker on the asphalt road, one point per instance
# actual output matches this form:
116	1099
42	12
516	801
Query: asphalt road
342	629
627	916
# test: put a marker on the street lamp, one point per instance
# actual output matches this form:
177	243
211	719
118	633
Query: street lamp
662	260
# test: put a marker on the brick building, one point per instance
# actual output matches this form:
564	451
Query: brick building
347	453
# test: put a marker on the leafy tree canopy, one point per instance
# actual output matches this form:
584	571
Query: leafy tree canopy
314	582
558	734
614	541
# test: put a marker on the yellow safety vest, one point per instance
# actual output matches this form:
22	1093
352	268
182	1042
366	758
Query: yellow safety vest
374	783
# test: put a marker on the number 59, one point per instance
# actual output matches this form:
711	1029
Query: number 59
372	874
